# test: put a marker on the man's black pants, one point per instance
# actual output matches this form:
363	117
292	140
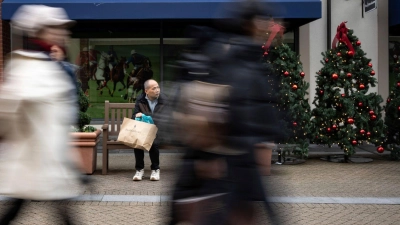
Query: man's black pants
154	158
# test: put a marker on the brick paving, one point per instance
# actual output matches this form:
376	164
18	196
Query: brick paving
314	178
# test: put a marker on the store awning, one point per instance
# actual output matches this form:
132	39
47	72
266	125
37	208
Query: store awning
164	9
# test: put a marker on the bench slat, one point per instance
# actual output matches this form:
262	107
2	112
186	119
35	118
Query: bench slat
129	113
119	119
112	120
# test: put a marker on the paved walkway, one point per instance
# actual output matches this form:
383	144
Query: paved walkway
316	192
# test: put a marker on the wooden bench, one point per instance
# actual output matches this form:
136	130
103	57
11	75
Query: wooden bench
114	114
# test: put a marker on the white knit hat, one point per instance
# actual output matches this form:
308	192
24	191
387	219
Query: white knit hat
32	18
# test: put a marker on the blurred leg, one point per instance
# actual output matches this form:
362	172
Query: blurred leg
12	212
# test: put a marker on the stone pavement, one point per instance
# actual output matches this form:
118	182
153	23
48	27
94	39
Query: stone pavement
315	192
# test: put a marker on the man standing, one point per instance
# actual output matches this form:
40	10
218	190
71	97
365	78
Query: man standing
154	104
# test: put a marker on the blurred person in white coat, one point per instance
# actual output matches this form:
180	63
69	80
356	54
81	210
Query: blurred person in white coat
37	109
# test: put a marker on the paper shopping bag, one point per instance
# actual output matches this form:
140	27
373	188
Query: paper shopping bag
137	134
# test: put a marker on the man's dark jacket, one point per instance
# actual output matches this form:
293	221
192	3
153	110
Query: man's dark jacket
160	116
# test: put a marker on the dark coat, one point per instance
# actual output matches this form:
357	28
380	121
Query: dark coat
160	116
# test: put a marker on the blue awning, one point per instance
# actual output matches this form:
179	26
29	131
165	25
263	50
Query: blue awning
163	9
394	9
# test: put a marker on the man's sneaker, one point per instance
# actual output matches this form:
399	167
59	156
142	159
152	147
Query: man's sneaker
155	175
139	175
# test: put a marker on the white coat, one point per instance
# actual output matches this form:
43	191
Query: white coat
37	108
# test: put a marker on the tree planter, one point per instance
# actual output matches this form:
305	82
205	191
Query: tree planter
86	144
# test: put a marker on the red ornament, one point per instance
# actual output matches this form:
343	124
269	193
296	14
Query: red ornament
339	54
361	86
398	84
302	74
348	75
321	92
265	53
286	73
343	95
326	60
335	76
370	64
398	108
380	149
373	117
263	47
350	120
362	132
350	53
319	72
360	104
334	126
328	129
294	124
388	100
358	43
354	142
368	134
372	73
371	112
294	87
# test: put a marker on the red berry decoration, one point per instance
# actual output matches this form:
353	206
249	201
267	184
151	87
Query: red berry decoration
368	134
360	104
334	126
372	73
380	149
339	54
370	64
362	132
350	53
358	43
326	60
350	120
294	87
361	86
373	117
348	75
371	112
343	95
354	142
302	74
294	124
286	73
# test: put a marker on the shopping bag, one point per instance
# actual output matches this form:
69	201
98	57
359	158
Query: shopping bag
137	134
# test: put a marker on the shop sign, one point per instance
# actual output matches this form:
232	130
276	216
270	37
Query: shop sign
370	5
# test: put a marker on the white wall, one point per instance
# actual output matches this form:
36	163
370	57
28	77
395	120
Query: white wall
371	30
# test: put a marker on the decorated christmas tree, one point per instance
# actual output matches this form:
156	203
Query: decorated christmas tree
392	110
346	114
292	89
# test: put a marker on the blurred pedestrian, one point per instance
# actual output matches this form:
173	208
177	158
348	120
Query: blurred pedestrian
232	58
37	109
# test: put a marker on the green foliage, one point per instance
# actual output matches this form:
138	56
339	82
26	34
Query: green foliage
392	118
294	106
83	118
339	100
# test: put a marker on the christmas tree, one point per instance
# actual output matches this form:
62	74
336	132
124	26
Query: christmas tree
392	110
285	63
345	113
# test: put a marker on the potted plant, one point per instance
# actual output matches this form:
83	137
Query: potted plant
85	138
